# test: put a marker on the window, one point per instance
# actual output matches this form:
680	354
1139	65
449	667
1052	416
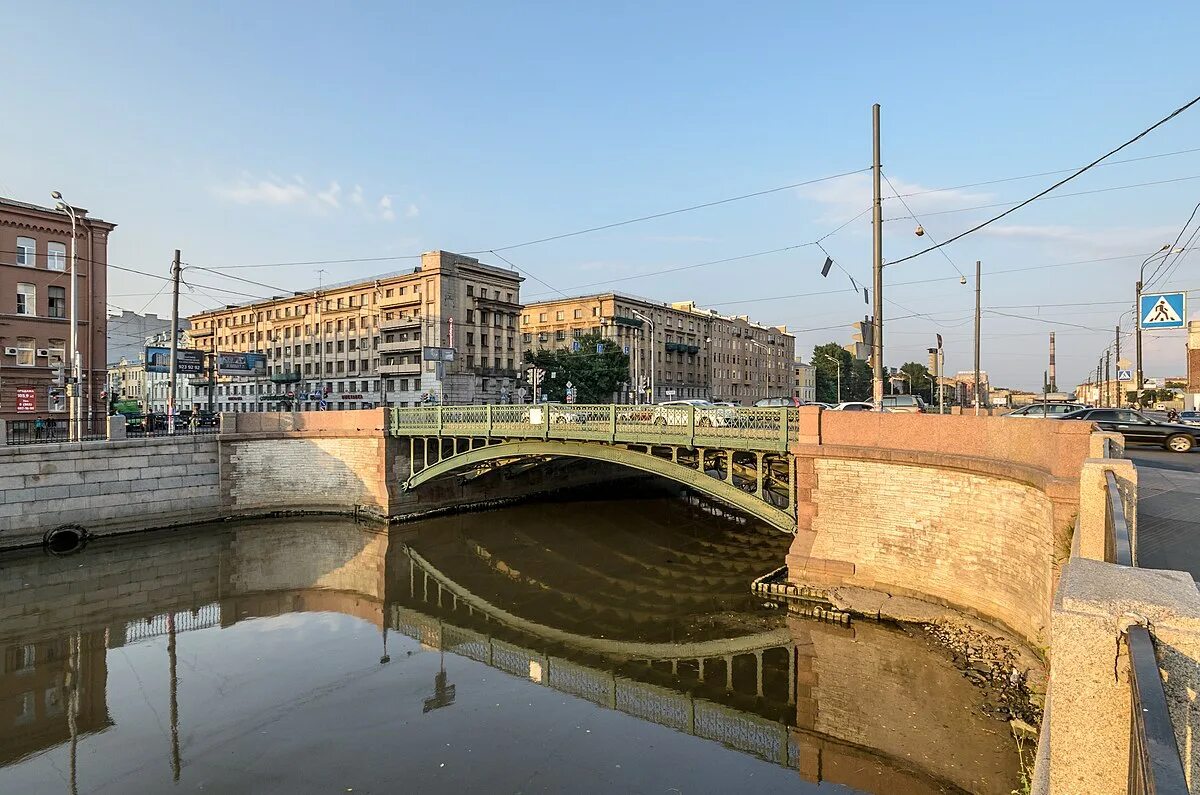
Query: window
524	320
26	251
578	314
26	299
57	352
595	311
57	306
56	256
26	351
541	317
560	315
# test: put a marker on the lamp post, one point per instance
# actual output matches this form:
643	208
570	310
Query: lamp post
838	362
649	323
73	412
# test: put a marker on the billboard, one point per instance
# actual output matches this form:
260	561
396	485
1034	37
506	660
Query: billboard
248	364
26	399
187	360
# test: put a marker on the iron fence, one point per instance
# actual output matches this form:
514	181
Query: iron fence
690	425
54	430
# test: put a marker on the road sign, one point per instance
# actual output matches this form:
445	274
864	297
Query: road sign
626	350
1124	375
575	346
1164	310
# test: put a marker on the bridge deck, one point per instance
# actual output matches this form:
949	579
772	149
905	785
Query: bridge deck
750	429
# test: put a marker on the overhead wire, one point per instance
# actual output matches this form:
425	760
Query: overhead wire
1059	183
918	220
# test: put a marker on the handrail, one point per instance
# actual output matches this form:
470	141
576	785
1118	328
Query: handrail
1122	544
1154	764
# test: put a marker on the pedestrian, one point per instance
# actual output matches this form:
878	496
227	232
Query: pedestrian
194	421
1172	415
39	428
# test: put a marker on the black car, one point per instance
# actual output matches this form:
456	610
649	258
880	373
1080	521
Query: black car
1140	429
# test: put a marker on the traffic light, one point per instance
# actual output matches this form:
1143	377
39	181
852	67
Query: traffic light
60	373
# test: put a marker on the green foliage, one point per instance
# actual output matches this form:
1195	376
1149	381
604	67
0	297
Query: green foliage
596	376
919	378
856	375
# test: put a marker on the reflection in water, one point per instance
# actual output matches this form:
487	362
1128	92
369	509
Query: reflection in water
232	654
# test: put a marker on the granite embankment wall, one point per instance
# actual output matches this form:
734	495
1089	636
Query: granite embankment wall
259	464
975	513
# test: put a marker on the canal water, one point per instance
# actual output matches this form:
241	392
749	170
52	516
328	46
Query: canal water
569	646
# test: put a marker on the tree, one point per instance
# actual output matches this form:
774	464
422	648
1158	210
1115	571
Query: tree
918	377
827	359
596	373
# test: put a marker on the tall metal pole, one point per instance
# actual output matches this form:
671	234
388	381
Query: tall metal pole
174	343
977	273
1120	402
1108	395
1137	326
877	259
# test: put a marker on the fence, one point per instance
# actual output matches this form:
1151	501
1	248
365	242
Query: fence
703	426
54	430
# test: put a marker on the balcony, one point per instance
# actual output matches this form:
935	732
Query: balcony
497	304
406	368
633	322
290	377
398	323
403	346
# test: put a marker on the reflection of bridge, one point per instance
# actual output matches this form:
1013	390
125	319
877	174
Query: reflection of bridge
737	455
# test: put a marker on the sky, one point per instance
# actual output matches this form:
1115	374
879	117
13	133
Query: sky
264	133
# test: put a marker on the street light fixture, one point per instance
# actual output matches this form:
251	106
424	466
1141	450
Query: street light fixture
838	362
73	412
649	323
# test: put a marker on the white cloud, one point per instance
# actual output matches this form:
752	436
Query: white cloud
849	195
296	192
1124	239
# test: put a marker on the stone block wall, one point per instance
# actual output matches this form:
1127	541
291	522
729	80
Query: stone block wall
105	485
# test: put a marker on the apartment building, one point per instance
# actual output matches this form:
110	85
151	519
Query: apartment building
443	332
693	352
804	387
35	334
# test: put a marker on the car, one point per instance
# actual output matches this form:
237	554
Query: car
908	404
854	405
1044	410
675	412
1137	428
1189	417
778	401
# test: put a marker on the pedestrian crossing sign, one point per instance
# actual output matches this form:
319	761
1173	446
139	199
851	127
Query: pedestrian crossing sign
1124	375
1163	310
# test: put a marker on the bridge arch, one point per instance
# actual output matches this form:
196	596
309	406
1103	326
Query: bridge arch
697	479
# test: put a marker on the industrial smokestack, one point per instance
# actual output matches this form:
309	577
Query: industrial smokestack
1052	379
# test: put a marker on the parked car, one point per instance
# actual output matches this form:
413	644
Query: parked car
778	401
854	405
674	412
907	404
1137	428
1045	410
1189	417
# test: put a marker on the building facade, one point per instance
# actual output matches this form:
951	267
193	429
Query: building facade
443	332
805	385
35	333
680	350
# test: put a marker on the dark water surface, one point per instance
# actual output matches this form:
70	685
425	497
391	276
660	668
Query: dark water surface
554	647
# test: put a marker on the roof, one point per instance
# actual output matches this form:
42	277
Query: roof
51	210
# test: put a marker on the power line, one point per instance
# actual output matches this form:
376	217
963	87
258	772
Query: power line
1047	320
1042	174
653	216
1171	247
918	220
537	279
1058	184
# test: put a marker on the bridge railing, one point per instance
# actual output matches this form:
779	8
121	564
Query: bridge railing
765	429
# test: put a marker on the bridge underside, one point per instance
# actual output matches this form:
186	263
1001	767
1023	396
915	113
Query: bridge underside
761	484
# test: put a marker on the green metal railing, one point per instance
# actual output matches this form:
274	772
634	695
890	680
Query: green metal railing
691	426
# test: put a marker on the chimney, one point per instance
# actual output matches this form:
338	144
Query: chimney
1053	381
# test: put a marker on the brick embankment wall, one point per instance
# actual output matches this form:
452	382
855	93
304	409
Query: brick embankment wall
978	519
105	486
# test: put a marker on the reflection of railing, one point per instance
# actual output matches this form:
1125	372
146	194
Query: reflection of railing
694	426
1118	546
746	732
203	617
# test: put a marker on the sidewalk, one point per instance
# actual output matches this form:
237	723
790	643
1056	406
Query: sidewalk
1168	519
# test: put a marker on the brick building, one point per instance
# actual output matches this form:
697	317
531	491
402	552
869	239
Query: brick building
697	353
35	246
370	343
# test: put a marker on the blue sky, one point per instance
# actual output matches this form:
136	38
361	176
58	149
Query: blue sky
247	133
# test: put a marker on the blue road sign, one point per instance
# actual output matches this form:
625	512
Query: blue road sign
1163	310
575	346
626	350
1124	375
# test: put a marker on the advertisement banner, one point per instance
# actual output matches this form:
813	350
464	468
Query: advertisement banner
247	364
187	360
26	399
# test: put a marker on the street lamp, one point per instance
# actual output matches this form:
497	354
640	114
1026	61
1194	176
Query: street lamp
649	323
73	412
838	362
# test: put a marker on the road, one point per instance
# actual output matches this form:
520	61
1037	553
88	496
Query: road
1168	534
